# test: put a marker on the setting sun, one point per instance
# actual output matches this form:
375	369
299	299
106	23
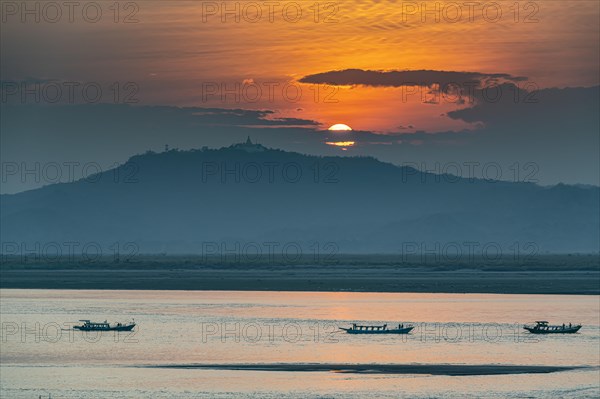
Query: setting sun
340	143
340	127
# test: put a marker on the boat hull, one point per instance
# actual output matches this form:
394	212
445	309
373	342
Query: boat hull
392	331
117	328
565	330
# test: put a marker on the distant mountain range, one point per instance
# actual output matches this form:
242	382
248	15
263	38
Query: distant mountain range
250	199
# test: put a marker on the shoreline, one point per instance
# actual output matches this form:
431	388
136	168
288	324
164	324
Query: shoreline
309	279
427	369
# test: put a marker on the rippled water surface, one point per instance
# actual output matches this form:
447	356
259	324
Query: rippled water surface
41	355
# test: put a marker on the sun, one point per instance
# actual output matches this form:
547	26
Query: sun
340	127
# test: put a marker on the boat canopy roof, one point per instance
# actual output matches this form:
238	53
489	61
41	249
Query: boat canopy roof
542	322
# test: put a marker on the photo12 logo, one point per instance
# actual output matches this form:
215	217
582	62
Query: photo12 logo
68	251
272	252
255	332
251	91
269	172
253	12
470	11
472	332
52	91
43	332
469	93
469	171
67	172
71	12
468	251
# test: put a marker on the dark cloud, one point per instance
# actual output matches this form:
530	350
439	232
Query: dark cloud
241	117
556	130
424	78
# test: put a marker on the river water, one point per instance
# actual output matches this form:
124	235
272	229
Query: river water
41	354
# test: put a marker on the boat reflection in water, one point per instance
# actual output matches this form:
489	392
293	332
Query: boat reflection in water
357	329
542	327
104	326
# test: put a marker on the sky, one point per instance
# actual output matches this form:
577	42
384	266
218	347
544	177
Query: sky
432	83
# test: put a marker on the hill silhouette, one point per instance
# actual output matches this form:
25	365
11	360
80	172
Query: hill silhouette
250	198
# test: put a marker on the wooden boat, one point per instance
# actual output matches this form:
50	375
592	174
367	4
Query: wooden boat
542	327
357	329
104	326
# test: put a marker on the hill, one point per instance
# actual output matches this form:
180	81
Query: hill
250	200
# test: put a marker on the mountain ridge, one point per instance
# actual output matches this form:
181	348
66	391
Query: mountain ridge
177	201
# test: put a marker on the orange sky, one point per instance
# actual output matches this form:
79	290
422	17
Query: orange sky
179	47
